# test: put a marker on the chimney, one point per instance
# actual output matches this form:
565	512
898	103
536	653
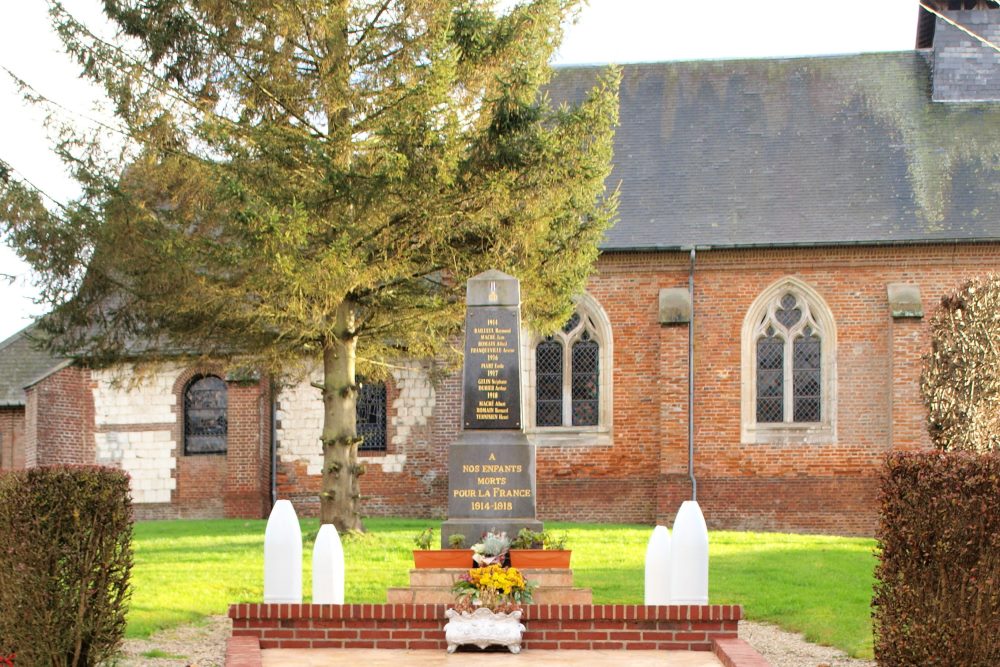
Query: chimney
964	68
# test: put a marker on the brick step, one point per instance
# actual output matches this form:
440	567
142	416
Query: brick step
441	595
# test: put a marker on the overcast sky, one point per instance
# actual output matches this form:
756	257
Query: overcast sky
618	31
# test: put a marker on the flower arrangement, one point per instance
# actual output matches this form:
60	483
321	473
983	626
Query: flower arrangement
492	549
494	587
526	539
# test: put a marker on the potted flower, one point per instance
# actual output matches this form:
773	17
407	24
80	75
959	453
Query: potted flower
491	549
540	550
488	608
426	558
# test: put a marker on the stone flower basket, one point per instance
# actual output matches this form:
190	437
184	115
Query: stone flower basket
483	628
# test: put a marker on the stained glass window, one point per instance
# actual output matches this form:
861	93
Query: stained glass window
770	378
371	409
806	371
568	375
549	383
206	419
788	362
586	379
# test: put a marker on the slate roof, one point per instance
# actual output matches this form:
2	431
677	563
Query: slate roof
22	365
813	151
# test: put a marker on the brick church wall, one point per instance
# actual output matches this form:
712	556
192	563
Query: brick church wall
139	427
59	419
638	473
827	487
408	479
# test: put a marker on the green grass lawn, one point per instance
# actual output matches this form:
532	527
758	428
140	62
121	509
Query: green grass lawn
820	586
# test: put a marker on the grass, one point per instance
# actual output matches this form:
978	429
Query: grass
817	585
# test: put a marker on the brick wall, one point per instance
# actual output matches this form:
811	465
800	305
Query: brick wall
547	627
12	438
60	419
826	487
639	474
139	427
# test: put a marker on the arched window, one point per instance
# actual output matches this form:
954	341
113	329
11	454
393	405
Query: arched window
789	370
370	412
206	419
569	376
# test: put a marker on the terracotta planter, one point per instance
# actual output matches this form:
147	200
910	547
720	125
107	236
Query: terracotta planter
540	559
436	558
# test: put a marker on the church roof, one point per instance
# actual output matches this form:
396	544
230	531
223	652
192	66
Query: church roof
804	151
21	365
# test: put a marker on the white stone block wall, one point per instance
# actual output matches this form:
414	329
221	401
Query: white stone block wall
300	415
146	456
152	401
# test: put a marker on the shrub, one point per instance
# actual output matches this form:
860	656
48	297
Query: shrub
65	561
937	591
961	379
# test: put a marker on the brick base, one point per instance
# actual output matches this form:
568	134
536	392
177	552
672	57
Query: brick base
421	626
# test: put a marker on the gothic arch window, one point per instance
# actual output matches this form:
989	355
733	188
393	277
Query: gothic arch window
789	366
569	379
206	415
371	422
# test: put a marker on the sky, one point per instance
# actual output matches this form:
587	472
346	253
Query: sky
619	31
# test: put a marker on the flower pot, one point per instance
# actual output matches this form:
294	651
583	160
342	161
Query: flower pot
540	559
483	628
437	558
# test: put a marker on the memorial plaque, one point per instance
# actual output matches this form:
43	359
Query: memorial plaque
491	466
491	481
492	388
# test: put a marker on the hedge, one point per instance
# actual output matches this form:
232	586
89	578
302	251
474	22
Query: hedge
65	562
937	591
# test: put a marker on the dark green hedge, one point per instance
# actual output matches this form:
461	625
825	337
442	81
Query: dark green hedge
937	591
65	561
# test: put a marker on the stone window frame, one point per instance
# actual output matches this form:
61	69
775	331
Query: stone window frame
819	314
595	320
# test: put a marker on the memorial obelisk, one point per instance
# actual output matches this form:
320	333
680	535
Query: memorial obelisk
491	466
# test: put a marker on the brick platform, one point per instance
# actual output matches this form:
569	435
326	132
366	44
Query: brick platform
421	626
433	586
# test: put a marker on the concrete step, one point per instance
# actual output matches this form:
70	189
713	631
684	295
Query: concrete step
448	576
433	586
445	596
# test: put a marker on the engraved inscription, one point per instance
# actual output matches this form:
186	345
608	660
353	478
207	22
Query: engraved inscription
492	391
486	486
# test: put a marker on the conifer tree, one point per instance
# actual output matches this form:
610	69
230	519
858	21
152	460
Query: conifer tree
295	180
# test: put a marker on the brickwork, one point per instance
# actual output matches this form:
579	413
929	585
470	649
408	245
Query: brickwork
60	419
547	627
12	438
637	473
409	479
825	486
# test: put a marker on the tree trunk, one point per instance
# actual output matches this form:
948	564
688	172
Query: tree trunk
339	501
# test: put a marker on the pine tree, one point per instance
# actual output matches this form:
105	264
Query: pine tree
306	179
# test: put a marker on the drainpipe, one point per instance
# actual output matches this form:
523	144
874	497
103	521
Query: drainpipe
274	445
694	482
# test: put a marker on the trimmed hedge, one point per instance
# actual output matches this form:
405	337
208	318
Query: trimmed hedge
65	562
937	591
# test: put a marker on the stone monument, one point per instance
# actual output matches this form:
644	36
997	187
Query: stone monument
491	466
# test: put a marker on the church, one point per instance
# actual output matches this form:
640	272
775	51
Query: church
752	332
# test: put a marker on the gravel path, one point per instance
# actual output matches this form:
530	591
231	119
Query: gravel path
184	646
205	646
786	649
